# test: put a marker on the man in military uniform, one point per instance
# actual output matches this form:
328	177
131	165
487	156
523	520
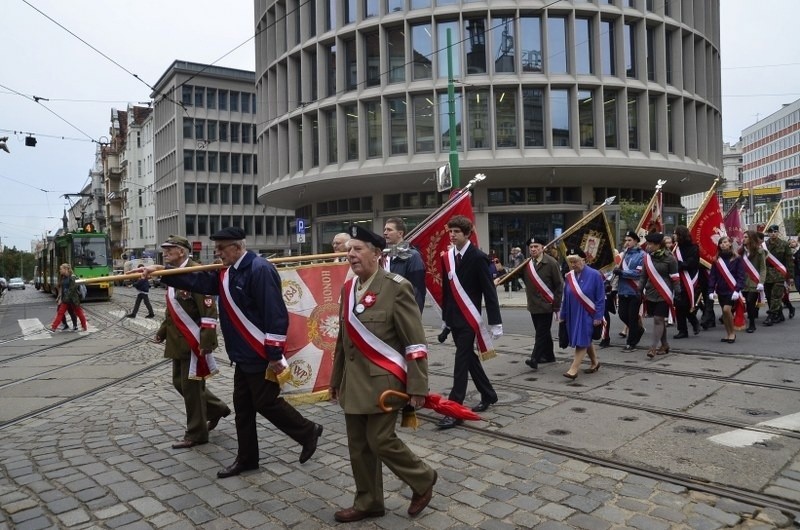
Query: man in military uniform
780	270
190	323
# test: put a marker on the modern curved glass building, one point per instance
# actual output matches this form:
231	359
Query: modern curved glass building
560	104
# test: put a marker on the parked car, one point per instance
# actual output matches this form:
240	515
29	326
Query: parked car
16	283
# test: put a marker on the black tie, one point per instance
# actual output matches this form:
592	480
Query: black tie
458	260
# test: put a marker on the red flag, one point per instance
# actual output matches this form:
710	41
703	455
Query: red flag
652	220
431	239
707	227
733	225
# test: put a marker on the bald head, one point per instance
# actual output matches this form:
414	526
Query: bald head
340	242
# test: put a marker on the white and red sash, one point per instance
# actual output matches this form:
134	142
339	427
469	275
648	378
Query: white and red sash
754	276
687	280
655	278
468	309
725	272
775	262
627	268
201	366
580	296
538	282
256	338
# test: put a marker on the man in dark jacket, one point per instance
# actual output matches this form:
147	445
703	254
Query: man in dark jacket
143	286
403	259
254	323
688	255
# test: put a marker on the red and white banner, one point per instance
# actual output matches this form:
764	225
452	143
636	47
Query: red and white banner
733	226
652	220
431	238
707	227
311	293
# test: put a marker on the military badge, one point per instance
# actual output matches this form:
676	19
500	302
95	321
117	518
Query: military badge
208	301
359	309
369	299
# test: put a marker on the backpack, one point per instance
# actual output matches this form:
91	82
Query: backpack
82	290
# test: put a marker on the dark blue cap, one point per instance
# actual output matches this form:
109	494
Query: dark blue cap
362	234
231	233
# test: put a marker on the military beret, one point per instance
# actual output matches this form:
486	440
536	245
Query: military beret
176	241
537	240
576	252
633	235
231	233
774	228
655	237
362	234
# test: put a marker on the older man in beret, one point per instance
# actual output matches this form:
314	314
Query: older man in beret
254	322
190	332
381	346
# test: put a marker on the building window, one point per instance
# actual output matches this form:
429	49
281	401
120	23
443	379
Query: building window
478	126
630	50
330	61
245	103
444	121
188	192
213	193
211	98
420	4
350	64
234	103
422	50
396	48
651	112
234	132
188	160
504	51
583	46
201	194
330	119
650	35
351	130
224	162
393	6
236	163
225	195
441	54
671	127
557	45
202	225
258	225
559	117
475	42
247	195
211	131
330	14
314	142
200	161
213	165
610	119
670	37
423	124
533	116
505	106
607	59
374	138
373	57
222	100
349	11
246	133
530	36
633	122
236	194
186	95
190	225
188	128
199	95
200	129
398	125
247	164
223	131
371	8
586	117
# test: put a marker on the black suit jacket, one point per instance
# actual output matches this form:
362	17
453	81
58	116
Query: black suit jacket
474	275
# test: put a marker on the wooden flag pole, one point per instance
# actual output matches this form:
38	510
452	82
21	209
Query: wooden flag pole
707	198
209	267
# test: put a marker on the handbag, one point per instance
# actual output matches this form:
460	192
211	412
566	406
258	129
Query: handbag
597	332
563	335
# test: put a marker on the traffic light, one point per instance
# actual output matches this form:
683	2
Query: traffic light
30	141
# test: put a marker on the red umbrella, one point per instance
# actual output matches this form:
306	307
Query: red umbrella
434	402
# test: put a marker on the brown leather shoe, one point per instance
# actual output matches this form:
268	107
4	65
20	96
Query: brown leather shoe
419	502
186	444
351	515
212	424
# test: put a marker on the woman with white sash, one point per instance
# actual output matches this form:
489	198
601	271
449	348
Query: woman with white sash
755	271
659	284
725	284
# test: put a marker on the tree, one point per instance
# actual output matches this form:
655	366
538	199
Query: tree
631	212
793	224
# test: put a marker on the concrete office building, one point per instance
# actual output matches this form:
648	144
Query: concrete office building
559	107
772	160
206	166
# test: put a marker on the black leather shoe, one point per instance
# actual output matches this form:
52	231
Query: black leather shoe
791	312
448	423
533	364
696	329
681	335
237	468
131	316
483	406
149	316
212	424
311	445
628	348
605	343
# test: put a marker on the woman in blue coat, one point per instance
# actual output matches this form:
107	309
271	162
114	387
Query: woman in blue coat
582	309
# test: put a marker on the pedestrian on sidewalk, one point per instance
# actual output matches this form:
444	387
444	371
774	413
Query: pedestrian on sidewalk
381	346
254	322
190	332
143	286
544	287
466	283
70	297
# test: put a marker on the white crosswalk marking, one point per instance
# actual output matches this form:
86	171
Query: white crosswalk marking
150	324
744	438
33	329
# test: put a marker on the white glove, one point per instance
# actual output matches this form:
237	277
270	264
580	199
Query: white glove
735	296
444	326
497	331
279	366
713	296
760	287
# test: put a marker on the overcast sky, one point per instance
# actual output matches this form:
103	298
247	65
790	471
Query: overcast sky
760	72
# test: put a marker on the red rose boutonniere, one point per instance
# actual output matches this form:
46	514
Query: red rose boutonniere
369	299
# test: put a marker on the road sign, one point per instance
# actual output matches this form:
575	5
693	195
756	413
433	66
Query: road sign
792	184
301	225
301	238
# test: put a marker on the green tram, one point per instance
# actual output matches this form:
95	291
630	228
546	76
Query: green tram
86	250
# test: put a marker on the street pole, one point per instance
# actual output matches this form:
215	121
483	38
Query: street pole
455	174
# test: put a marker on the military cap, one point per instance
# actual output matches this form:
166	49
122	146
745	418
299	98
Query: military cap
576	252
633	235
231	233
537	240
655	237
774	228
362	234
176	241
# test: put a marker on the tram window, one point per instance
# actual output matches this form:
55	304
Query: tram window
88	252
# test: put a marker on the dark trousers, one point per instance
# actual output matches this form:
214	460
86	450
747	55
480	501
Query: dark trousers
628	311
201	404
72	315
751	302
683	313
142	297
469	364
543	338
774	292
253	394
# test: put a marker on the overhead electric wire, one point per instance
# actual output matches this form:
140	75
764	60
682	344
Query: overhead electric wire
37	99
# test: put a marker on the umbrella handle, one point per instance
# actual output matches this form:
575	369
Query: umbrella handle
389	393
